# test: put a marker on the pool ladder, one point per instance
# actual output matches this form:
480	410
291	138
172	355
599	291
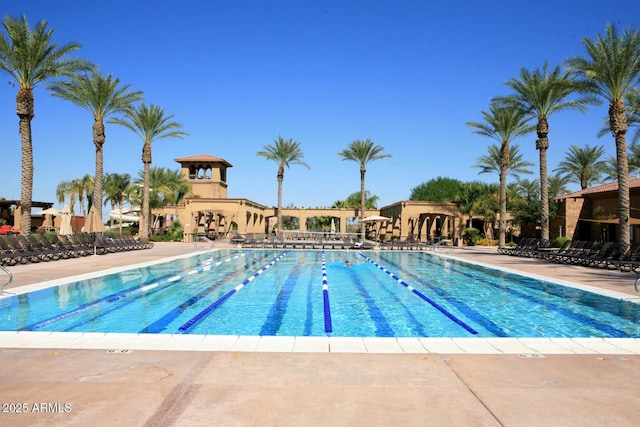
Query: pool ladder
2	285
635	285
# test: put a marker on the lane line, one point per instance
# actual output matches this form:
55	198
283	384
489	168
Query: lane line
421	295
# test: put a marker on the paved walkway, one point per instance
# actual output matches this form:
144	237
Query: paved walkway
126	386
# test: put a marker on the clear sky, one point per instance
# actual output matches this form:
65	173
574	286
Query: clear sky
238	73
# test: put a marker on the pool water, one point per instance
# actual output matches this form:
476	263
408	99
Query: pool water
316	293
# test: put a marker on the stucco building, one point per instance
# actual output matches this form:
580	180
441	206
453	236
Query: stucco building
208	210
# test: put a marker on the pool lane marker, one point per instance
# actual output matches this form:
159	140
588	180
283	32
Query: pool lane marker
421	295
206	266
328	327
198	317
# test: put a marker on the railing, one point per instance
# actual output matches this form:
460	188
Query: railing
635	285
442	242
199	238
2	285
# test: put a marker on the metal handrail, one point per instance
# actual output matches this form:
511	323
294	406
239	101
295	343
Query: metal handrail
635	285
438	244
2	285
206	239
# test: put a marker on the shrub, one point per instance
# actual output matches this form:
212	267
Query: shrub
561	241
486	242
471	236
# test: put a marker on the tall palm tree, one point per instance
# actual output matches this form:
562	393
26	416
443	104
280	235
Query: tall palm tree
150	123
583	166
101	96
504	122
115	187
542	93
363	152
284	153
82	188
516	165
611	72
31	58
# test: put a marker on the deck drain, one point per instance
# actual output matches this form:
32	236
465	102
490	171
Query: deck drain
120	350
530	355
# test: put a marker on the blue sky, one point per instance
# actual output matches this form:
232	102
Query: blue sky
406	74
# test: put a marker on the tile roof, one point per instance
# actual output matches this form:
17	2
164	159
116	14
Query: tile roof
604	188
203	158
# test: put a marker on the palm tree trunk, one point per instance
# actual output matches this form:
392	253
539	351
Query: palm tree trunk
502	228
24	109
144	210
363	171
542	144
618	121
280	179
98	141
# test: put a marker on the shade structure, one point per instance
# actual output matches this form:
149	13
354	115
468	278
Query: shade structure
65	224
93	223
376	218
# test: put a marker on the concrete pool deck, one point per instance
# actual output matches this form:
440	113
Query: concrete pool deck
136	380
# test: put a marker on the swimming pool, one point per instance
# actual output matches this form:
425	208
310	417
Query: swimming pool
314	293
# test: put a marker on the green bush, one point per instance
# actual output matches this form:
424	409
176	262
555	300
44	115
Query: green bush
175	232
561	241
471	236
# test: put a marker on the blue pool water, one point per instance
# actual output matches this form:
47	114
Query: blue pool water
314	293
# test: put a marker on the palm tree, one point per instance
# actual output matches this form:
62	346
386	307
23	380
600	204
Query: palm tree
284	153
611	72
30	58
542	93
151	124
558	185
166	187
467	196
354	200
490	163
79	188
64	190
101	96
610	168
363	152
504	122
115	188
583	165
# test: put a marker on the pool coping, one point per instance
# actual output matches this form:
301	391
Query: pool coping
124	342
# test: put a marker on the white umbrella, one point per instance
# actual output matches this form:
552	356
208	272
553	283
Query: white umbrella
333	226
48	213
51	211
65	224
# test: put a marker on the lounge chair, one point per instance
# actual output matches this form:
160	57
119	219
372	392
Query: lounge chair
9	255
236	238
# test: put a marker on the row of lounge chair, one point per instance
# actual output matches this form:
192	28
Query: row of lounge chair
608	255
18	249
261	240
